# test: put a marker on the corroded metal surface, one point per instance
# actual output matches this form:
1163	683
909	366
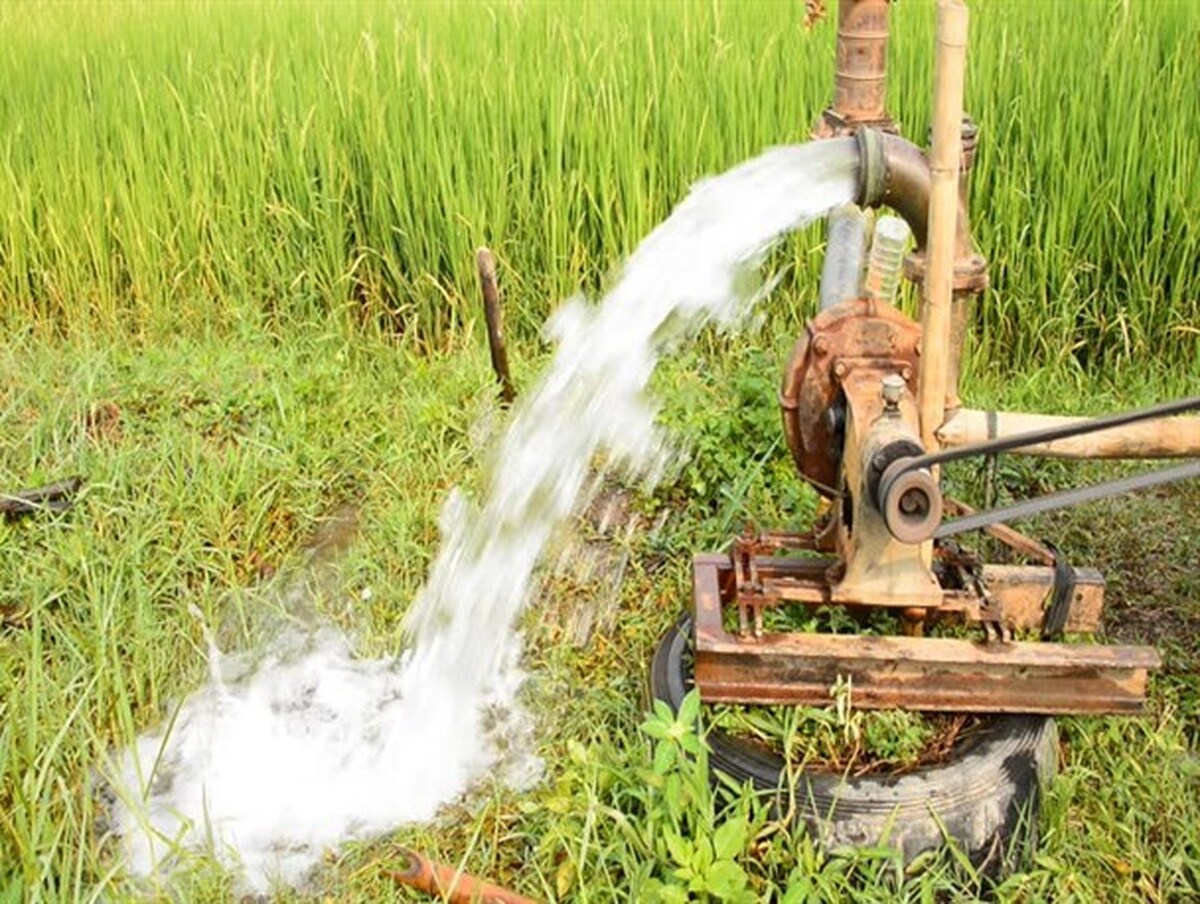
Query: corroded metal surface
860	77
450	885
854	335
917	673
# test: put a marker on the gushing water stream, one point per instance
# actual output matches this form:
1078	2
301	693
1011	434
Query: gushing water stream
314	747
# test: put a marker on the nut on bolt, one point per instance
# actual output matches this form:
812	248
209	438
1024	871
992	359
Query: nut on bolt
893	391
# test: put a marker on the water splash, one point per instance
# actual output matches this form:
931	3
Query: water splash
311	746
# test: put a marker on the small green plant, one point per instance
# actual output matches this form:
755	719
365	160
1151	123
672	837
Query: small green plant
840	738
702	850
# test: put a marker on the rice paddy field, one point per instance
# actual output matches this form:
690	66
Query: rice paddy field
238	291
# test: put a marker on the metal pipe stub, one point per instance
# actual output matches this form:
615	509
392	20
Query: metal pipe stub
872	168
449	884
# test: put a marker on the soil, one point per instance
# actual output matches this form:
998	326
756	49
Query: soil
1147	546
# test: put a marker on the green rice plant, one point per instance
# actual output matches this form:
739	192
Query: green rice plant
171	164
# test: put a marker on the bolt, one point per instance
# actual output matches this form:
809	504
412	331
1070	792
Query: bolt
820	346
839	369
906	372
893	390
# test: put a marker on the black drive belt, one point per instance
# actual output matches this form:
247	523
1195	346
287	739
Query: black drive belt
1065	498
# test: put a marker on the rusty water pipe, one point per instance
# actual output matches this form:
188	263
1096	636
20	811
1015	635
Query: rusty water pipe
450	884
860	74
895	173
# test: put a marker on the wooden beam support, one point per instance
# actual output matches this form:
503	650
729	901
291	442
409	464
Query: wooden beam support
1168	437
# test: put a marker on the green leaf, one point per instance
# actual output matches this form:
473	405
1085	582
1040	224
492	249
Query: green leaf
664	757
799	889
702	855
654	728
564	877
679	848
657	890
689	709
673	797
663	712
729	840
577	752
726	879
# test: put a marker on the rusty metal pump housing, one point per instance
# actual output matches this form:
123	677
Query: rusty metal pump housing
857	334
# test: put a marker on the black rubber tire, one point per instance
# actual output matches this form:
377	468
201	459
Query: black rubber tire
985	796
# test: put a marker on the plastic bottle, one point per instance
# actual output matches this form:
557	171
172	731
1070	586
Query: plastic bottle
887	259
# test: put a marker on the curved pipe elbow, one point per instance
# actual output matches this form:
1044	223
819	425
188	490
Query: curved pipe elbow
895	173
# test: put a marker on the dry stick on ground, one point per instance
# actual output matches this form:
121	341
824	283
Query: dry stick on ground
54	497
491	313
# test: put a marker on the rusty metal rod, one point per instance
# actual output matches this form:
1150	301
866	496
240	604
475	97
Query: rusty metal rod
451	885
492	314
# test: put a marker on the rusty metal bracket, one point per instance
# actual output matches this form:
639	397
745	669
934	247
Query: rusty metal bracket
917	673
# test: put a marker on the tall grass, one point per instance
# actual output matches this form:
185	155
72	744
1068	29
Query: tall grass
170	165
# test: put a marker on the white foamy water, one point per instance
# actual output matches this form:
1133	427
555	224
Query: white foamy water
314	746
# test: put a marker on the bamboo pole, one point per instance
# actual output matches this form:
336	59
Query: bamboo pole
944	156
1170	437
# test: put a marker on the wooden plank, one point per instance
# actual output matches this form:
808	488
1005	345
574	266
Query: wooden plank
1168	437
1006	534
